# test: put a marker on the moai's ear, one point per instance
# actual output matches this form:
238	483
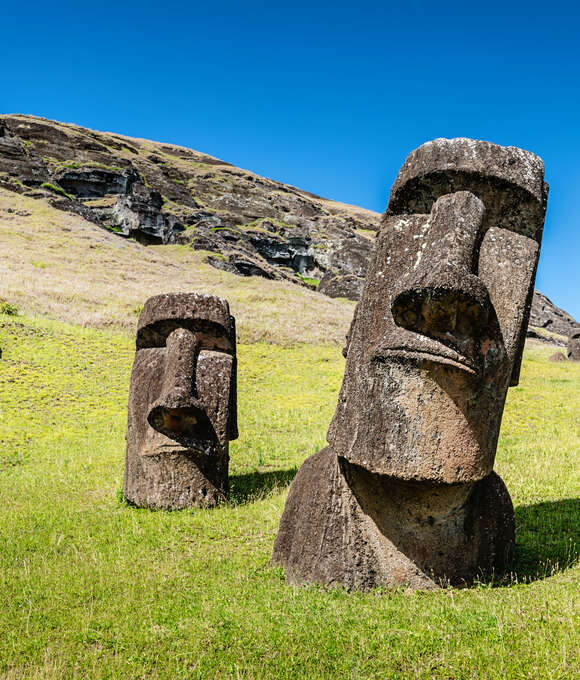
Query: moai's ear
214	374
349	334
519	352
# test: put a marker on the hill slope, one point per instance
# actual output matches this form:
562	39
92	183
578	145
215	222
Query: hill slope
60	265
161	193
80	190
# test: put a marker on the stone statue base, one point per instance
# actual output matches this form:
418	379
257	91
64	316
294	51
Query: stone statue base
343	525
174	480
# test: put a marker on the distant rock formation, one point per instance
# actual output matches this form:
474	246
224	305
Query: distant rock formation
546	315
159	193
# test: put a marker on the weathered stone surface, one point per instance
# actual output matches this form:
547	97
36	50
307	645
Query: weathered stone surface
574	346
140	215
182	403
405	493
346	266
21	167
347	286
95	182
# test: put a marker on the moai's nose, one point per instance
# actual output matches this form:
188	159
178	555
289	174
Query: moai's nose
178	413
445	299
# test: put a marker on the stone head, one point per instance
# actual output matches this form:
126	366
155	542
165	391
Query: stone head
183	385
438	333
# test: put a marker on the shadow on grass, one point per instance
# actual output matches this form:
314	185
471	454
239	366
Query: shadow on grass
547	539
253	486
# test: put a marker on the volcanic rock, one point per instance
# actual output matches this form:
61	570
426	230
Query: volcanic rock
159	193
405	492
546	315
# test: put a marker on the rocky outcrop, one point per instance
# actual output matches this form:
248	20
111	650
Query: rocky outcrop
546	315
139	214
94	182
21	167
159	193
77	180
248	225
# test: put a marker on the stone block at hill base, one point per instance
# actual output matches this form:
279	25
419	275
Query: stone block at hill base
573	349
405	492
182	403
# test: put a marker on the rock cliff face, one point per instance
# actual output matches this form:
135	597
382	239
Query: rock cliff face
547	316
160	193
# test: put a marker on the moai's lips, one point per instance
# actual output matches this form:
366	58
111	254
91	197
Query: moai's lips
451	323
446	356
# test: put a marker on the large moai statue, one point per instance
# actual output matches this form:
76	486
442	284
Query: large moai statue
405	492
182	403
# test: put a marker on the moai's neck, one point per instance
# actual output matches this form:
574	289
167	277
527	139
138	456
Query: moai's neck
419	526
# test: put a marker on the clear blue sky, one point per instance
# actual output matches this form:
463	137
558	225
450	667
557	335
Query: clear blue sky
330	97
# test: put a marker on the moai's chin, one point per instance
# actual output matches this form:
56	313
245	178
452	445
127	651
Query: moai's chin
343	526
178	479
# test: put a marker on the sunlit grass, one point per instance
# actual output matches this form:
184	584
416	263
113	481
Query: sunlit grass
93	588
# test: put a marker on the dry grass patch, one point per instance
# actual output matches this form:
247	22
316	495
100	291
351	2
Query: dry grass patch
61	266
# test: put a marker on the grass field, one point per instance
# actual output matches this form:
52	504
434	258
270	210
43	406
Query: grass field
93	588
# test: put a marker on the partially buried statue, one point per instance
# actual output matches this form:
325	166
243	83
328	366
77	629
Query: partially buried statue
405	493
182	403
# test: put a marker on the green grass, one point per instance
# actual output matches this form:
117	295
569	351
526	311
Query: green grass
309	280
56	190
93	588
8	309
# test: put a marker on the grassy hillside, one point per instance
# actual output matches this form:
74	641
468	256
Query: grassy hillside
162	193
93	588
59	265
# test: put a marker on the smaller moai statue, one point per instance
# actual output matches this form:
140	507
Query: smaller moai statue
574	346
182	403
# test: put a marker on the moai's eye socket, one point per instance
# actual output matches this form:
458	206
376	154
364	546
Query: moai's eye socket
206	316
